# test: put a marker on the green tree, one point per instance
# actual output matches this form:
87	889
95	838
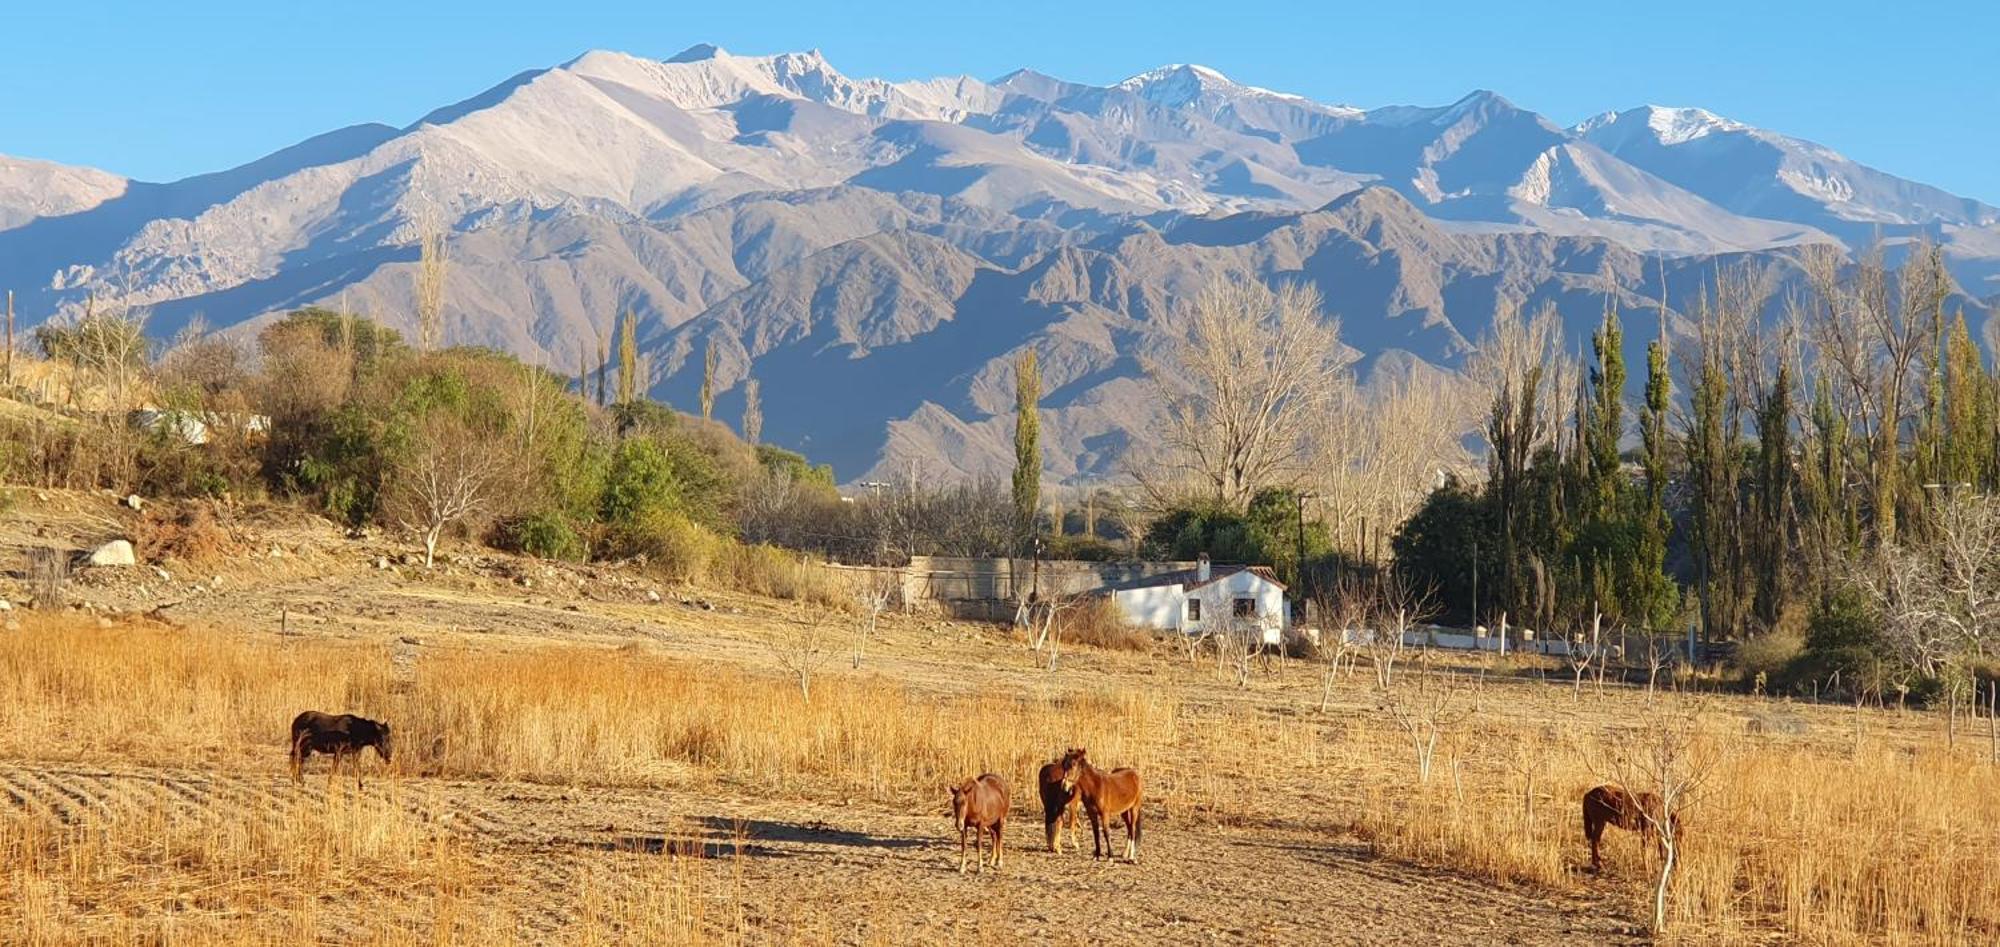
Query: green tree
1770	533
628	358
1027	442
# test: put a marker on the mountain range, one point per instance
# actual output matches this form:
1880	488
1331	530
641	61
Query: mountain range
877	253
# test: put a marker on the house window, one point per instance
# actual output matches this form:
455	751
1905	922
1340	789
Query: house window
1246	608
1194	609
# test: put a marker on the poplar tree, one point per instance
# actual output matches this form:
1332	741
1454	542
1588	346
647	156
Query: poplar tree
1027	441
628	358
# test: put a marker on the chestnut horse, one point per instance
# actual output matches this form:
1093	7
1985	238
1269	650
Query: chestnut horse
1115	794
980	805
342	737
1059	805
1612	804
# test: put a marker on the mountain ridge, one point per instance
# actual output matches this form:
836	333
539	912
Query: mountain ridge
927	231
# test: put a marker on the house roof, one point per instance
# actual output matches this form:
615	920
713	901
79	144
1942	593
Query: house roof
1188	577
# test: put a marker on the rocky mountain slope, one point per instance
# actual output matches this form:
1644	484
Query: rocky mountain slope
877	252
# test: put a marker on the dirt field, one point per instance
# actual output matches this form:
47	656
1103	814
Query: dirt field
1263	823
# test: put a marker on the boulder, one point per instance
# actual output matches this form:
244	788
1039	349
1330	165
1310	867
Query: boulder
132	501
117	552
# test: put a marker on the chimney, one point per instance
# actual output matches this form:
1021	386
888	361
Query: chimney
1201	568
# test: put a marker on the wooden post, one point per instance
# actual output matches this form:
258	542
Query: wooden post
10	339
1951	716
1993	720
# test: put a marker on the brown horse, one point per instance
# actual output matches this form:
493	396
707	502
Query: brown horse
1612	804
340	737
1115	794
980	805
1060	800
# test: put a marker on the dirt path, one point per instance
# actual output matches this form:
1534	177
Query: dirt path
781	869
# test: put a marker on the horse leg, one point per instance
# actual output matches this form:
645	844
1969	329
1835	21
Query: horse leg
1132	835
1051	827
1099	830
299	753
1070	816
999	842
961	848
1594	831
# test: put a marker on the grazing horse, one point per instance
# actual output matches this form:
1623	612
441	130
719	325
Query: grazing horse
1115	794
1612	804
980	805
1060	800
342	736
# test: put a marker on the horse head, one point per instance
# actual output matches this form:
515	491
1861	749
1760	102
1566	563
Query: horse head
385	743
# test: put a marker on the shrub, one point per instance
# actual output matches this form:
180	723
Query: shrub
189	532
545	534
676	547
1097	622
1843	647
774	572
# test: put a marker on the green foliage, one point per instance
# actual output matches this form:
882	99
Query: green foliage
370	343
1266	533
1027	441
794	465
544	533
1436	546
1843	643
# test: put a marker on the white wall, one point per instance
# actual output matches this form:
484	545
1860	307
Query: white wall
1164	608
1159	607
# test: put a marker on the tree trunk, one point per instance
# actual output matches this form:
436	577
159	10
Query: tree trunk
431	543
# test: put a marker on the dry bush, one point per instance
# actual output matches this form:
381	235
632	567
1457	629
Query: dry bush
1097	622
48	576
776	573
193	532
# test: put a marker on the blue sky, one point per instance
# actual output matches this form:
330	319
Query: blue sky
163	90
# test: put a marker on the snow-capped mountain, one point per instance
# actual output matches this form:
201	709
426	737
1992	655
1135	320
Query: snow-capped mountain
802	220
1756	172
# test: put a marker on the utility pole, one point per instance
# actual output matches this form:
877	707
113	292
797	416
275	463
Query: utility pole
1299	564
1475	583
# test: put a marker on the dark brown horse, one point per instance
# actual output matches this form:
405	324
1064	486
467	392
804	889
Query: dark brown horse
340	736
1612	804
1060	800
980	805
1106	795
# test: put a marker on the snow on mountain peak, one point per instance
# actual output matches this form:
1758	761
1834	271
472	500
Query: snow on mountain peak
1674	126
1667	126
1178	84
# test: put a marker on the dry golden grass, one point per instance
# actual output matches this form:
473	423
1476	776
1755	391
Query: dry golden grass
1888	837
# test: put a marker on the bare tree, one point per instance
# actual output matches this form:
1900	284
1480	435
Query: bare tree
1425	713
1246	385
450	472
1239	645
1941	598
1581	651
1398	605
431	265
708	364
801	649
1659	655
1669	756
874	596
753	411
1341	610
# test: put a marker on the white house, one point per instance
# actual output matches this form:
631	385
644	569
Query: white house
1207	599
